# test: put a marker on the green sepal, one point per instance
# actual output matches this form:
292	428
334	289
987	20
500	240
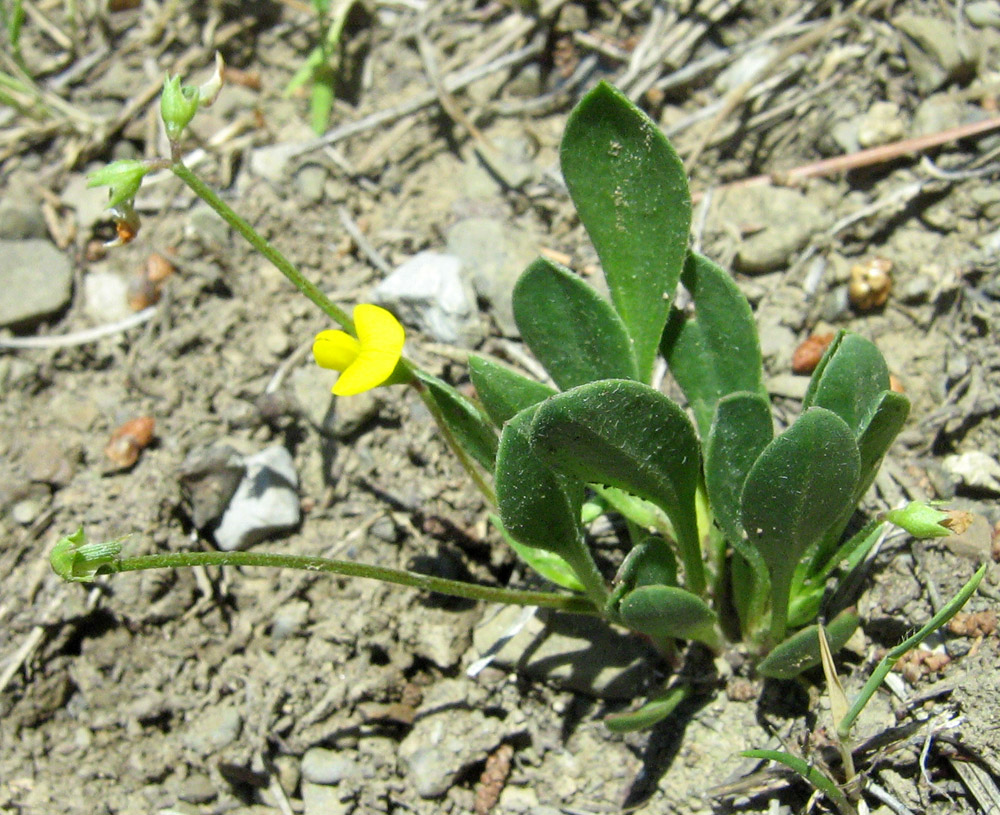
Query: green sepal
630	190
124	177
504	393
178	105
573	331
920	519
75	560
800	651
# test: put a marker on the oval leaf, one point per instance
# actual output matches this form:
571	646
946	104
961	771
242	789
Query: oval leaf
470	428
548	564
715	351
570	328
664	612
849	380
627	435
503	392
796	490
629	187
800	651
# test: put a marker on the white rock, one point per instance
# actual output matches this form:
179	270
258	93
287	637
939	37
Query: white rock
974	469
105	297
265	503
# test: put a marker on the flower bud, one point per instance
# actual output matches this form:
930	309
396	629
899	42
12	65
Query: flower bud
921	520
178	105
75	560
124	177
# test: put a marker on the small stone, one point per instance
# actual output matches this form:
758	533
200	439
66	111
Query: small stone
974	469
27	508
778	221
47	462
511	162
428	292
319	799
883	123
105	297
214	730
36	280
197	788
518	799
322	766
526	83
209	479
21	219
493	255
206	226
983	14
289	619
788	386
941	111
265	503
89	203
310	180
548	648
352	414
934	51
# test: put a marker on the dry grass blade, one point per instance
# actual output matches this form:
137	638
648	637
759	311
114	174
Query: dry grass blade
980	784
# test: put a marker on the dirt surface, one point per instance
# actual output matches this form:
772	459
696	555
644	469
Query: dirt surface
254	692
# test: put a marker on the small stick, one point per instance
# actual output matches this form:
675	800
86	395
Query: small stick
79	337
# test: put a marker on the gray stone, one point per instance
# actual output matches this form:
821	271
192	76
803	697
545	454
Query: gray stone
265	503
934	51
213	731
289	619
493	255
89	203
354	413
105	296
427	291
209	478
36	280
47	461
31	504
206	226
319	799
789	386
322	766
311	388
983	14
440	747
883	123
974	469
941	111
585	655
512	162
783	220
20	219
197	788
310	180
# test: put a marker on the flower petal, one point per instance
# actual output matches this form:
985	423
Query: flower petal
336	350
379	330
369	370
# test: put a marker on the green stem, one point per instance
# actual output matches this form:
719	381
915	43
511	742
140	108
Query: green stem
454	588
463	458
890	659
281	263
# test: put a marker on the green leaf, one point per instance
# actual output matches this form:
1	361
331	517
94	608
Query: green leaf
653	710
548	564
798	487
800	651
570	328
665	612
715	351
878	434
849	380
629	187
742	428
625	434
921	520
540	508
470	428
809	772
503	392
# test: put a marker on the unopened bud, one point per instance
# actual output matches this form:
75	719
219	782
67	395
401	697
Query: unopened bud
124	177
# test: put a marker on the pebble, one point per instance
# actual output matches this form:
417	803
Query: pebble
519	799
36	280
209	478
549	648
780	222
311	389
289	619
105	297
89	203
427	291
941	111
974	469
512	162
197	788
310	180
47	462
27	508
934	52
319	799
322	766
352	415
883	123
983	14
214	730
21	219
441	747
206	226
493	255
265	503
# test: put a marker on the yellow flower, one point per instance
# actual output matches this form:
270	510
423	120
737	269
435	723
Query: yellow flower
365	362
